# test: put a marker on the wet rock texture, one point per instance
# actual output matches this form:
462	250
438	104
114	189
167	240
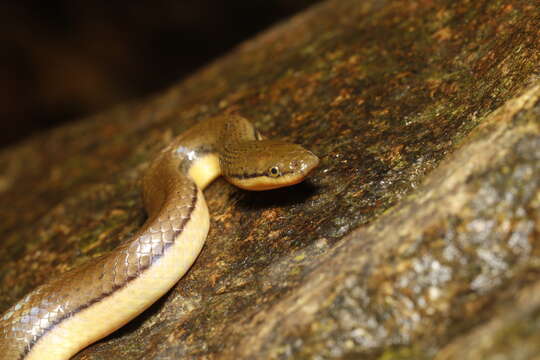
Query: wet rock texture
417	238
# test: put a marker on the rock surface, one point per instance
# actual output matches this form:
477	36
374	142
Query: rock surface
417	238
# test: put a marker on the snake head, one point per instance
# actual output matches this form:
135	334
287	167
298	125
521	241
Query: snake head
269	164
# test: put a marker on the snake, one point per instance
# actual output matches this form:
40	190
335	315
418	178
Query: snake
81	306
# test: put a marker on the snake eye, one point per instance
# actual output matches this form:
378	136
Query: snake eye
274	171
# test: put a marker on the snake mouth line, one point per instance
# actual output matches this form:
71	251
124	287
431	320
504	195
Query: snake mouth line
176	234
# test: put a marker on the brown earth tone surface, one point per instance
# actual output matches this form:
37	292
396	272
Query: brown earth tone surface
417	237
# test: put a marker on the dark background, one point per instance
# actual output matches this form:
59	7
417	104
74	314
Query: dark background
65	59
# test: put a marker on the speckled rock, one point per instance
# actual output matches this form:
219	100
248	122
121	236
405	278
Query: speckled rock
417	237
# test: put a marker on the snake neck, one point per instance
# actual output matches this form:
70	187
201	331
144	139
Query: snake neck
232	147
205	170
199	154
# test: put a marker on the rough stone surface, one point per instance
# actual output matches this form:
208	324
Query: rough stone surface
417	238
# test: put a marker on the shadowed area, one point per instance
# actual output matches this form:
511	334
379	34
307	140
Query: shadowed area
416	235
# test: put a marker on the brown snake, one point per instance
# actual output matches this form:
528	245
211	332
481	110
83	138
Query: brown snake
81	306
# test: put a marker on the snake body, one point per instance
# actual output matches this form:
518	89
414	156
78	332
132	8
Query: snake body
81	306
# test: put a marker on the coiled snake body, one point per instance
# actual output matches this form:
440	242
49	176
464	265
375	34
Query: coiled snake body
81	306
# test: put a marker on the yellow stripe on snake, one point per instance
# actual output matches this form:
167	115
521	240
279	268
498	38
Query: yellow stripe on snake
81	306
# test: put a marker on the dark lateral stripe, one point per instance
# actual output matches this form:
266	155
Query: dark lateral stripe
116	288
254	175
246	176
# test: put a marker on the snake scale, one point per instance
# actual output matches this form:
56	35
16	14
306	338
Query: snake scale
81	306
